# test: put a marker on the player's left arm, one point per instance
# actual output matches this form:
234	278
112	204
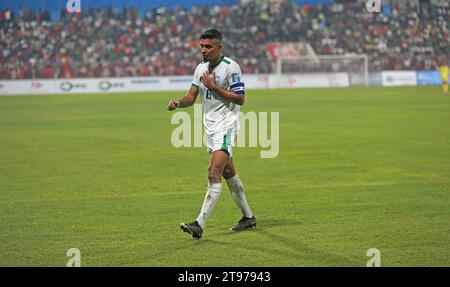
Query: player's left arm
236	91
208	81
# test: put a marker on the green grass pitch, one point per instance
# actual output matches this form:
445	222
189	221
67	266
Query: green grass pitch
357	169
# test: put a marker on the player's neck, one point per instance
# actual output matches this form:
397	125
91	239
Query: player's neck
215	62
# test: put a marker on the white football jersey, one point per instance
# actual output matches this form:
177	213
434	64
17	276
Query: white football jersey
219	113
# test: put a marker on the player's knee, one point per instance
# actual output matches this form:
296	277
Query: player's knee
228	173
214	174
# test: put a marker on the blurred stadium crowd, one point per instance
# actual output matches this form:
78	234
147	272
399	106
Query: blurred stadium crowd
110	42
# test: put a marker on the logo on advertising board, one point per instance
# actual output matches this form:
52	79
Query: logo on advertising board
104	85
181	80
1	86
68	86
146	81
35	85
291	80
428	78
107	85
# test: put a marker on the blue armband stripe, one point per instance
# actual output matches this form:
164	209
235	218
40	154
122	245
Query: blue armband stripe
235	85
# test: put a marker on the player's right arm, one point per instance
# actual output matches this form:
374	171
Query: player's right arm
191	95
186	101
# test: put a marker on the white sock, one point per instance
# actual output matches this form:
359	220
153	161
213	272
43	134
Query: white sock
212	195
237	192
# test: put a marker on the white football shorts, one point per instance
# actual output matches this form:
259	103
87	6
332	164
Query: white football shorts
222	140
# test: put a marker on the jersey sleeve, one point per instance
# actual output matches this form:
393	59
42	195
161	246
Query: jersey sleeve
196	80
235	79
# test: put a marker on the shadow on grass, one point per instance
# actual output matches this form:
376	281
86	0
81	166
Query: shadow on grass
272	242
300	251
266	224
